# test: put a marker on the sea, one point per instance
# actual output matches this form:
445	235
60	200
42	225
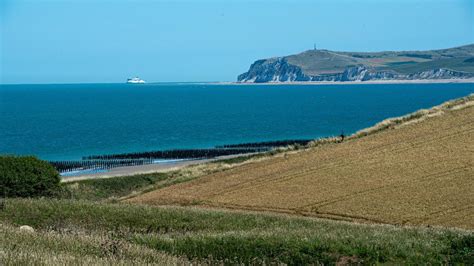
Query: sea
68	121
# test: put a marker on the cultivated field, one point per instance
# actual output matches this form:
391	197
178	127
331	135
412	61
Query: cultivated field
419	171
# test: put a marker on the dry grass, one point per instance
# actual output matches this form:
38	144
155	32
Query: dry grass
92	233
416	169
75	248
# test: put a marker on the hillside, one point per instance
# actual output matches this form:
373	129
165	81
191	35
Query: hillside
73	232
325	65
413	170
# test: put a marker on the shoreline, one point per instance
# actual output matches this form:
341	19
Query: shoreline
145	169
368	82
177	165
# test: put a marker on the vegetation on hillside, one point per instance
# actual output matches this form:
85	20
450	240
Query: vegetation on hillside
27	177
122	232
110	189
49	247
315	62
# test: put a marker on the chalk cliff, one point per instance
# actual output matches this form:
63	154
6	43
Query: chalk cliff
324	65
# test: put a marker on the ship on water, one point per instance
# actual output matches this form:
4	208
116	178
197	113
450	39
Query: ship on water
135	80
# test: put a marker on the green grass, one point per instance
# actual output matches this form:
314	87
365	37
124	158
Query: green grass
243	158
456	64
110	188
323	62
78	248
401	63
319	62
235	237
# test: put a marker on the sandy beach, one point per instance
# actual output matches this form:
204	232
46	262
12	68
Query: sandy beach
145	169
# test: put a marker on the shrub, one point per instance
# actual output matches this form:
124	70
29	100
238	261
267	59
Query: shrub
27	177
461	250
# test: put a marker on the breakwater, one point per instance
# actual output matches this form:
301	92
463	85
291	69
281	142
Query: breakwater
177	154
109	161
69	166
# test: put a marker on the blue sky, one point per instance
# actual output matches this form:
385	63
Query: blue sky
73	41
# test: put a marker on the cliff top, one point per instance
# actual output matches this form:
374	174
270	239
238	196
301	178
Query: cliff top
323	62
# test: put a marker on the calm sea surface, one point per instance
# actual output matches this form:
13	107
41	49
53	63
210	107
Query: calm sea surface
59	122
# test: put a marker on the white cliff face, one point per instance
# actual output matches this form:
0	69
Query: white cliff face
273	70
440	73
279	70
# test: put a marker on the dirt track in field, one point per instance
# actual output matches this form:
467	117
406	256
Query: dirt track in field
419	173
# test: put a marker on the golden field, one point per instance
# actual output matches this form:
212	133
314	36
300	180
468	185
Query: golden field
414	170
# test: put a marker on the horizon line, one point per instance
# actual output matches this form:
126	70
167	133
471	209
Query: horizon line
153	82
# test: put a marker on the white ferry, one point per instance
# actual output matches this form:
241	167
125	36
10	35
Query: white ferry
135	80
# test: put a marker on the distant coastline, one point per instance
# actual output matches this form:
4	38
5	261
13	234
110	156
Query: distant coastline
399	81
413	81
320	65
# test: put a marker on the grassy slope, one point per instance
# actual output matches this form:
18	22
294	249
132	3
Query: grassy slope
71	230
404	62
323	62
419	173
111	188
75	248
458	64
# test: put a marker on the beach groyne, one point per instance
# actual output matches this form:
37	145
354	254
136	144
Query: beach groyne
177	154
109	161
80	165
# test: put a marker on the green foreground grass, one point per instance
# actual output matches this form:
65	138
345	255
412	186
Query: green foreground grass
68	230
75	248
111	189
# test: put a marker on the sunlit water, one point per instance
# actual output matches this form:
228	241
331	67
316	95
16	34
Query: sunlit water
59	122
